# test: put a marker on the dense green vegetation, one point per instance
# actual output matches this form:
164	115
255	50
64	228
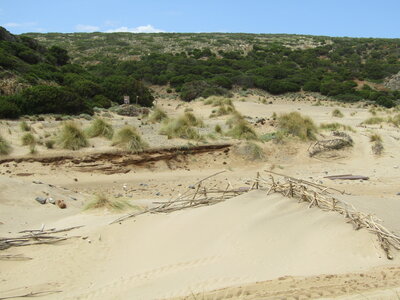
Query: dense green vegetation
45	81
108	66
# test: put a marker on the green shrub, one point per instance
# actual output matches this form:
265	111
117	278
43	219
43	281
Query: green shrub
337	113
5	147
157	115
130	140
296	125
71	137
218	128
99	127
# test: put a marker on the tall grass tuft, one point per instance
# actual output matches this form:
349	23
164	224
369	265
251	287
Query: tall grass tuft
337	113
336	126
28	139
101	201
297	125
157	115
182	127
71	137
129	139
243	131
5	147
99	127
373	121
24	126
251	151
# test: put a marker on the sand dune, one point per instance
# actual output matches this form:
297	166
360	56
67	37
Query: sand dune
250	238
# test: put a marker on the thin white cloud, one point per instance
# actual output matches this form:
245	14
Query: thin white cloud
140	29
86	28
19	25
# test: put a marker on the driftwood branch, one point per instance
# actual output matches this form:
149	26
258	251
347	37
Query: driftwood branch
31	294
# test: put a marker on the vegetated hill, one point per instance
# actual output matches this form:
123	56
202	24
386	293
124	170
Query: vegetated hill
35	79
211	63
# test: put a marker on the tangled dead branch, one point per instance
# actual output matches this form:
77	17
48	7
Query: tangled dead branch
35	237
319	196
340	141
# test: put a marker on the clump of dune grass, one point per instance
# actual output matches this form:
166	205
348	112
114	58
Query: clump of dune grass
295	124
395	120
336	126
222	111
49	144
192	120
180	127
251	151
24	126
218	128
242	130
71	137
373	121
218	101
157	115
377	145
28	139
5	147
234	119
337	113
102	201
130	139
99	127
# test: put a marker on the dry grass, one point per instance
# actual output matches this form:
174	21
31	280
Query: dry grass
5	147
373	121
72	137
242	130
336	126
28	139
182	127
251	151
24	126
101	201
129	139
99	127
295	124
375	138
157	115
337	113
395	120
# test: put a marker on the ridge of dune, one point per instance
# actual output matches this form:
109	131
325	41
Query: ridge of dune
250	238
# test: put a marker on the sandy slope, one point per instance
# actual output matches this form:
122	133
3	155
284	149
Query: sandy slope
246	239
250	247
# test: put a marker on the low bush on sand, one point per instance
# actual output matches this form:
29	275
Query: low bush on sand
24	126
182	127
99	127
294	124
130	139
101	201
375	138
335	127
5	147
49	144
157	115
28	139
218	128
71	137
242	130
337	113
251	151
373	121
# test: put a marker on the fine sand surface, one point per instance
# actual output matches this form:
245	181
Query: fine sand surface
254	246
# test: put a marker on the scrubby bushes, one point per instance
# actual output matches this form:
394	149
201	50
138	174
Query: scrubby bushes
72	137
99	127
129	139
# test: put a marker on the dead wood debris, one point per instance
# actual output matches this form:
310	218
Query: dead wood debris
35	237
340	141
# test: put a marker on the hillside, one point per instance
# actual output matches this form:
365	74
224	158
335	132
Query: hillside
349	69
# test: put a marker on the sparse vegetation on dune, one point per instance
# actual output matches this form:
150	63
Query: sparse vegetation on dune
5	147
157	115
71	137
99	127
28	139
182	127
337	113
375	138
130	139
242	130
336	126
251	151
24	126
395	120
377	145
102	201
373	121
234	119
294	124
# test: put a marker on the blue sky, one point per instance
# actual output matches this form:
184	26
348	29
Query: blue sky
355	18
